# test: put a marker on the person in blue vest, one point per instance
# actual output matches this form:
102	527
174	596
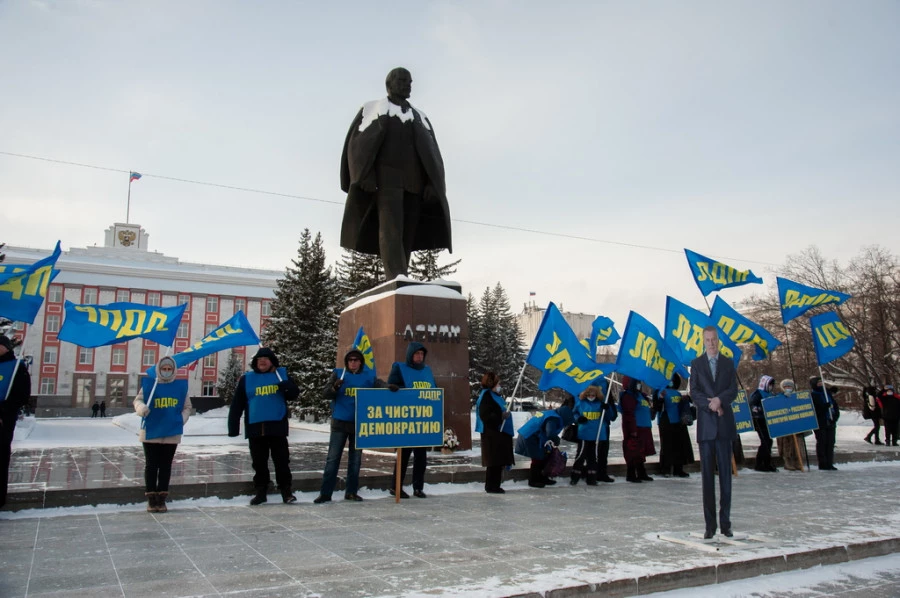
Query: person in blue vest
341	392
163	404
537	438
827	415
675	450
15	392
413	373
261	397
637	431
494	422
593	438
765	390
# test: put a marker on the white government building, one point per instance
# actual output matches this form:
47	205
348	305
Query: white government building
66	377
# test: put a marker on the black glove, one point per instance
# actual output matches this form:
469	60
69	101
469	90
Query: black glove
582	420
337	384
284	386
555	440
393	387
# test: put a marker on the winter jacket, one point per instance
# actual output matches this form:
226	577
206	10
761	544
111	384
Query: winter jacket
240	405
19	394
140	407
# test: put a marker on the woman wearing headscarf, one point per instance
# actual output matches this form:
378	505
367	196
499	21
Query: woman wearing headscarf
637	433
163	404
494	422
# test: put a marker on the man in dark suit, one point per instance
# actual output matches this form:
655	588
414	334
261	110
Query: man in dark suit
713	388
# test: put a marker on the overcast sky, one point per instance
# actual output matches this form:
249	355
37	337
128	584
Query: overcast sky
743	130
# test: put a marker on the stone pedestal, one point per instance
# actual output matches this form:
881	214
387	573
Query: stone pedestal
401	311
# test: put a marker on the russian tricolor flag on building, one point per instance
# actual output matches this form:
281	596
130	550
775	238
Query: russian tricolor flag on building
134	176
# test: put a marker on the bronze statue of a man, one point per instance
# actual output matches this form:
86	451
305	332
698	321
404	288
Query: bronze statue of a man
393	173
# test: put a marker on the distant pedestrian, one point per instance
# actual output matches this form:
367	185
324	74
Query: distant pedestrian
494	422
872	411
340	391
95	409
261	397
15	392
890	409
102	408
165	408
764	455
413	373
637	430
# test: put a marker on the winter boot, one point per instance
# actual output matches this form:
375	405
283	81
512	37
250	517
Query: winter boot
260	497
574	479
287	497
535	477
681	473
152	499
161	503
642	474
591	478
630	475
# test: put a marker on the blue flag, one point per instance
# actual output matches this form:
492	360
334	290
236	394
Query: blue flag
830	337
236	332
561	358
742	330
362	344
684	333
796	299
603	332
24	287
645	356
99	325
711	275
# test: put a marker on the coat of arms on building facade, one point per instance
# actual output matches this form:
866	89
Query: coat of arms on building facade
127	237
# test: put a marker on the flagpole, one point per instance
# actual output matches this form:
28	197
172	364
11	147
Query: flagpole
787	342
128	205
609	386
518	382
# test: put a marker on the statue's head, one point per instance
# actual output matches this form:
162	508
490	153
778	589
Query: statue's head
399	83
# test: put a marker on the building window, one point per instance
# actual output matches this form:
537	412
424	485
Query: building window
149	357
210	328
115	390
209	361
85	356
153	299
266	308
48	386
184	299
118	356
55	294
89	296
184	330
50	354
240	305
209	388
123	296
53	323
212	305
19	326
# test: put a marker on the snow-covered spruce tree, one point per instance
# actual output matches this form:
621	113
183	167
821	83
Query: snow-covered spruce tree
358	272
475	368
496	341
303	327
228	379
424	265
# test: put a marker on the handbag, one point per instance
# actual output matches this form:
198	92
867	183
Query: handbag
556	464
570	433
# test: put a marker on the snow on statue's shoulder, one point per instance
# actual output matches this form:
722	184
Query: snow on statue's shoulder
372	110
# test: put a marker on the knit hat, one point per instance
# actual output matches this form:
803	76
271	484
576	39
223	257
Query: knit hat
166	376
814	382
787	382
764	382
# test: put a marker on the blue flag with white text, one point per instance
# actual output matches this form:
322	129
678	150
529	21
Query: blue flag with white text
796	299
561	358
645	356
99	325
684	333
236	332
711	275
830	337
742	330
23	288
362	344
